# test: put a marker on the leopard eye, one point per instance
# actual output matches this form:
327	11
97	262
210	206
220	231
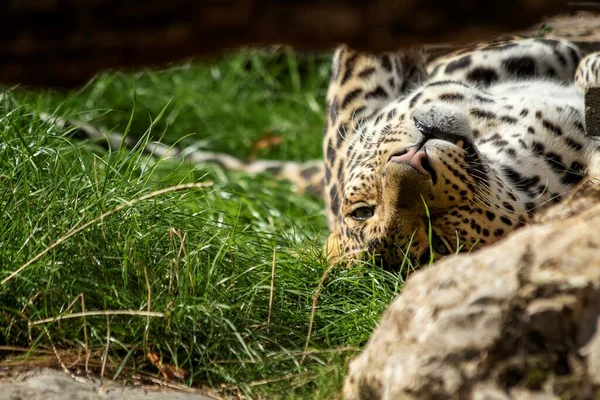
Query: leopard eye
439	246
363	213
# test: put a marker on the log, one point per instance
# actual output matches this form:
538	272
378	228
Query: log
65	42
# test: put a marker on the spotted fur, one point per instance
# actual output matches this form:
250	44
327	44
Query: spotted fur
588	72
455	154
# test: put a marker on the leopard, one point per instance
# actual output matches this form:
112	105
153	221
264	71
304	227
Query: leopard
424	159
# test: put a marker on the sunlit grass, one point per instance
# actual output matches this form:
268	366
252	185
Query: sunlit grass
202	257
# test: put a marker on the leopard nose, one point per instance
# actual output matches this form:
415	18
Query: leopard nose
414	158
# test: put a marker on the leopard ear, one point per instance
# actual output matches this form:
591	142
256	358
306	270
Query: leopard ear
333	249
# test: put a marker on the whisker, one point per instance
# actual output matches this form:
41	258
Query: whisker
554	197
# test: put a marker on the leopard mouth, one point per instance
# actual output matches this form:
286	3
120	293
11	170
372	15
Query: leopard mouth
415	157
473	165
418	158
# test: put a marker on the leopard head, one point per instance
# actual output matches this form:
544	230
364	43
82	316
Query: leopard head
417	184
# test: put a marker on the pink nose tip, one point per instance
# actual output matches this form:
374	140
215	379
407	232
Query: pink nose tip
415	158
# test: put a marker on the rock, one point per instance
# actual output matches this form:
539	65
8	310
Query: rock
49	384
516	320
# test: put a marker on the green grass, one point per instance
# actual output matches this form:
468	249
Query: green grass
226	105
201	256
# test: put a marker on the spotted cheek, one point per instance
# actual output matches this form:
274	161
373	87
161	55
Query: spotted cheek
454	181
388	243
375	240
401	244
464	228
450	192
477	226
354	241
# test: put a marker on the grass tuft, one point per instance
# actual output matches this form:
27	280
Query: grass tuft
221	280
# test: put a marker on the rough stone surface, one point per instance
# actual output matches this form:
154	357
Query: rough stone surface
592	110
516	320
49	384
